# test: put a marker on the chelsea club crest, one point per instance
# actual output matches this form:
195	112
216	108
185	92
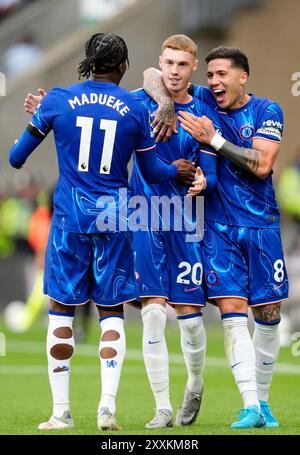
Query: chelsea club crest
246	132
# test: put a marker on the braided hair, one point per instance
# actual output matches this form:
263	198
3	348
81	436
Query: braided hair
104	53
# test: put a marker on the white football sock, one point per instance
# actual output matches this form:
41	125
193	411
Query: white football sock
193	345
266	342
241	356
59	368
155	353
111	366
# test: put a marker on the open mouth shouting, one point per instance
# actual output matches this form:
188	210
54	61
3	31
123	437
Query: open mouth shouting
219	95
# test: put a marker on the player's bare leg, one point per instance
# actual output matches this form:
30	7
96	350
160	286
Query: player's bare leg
193	345
60	348
156	358
241	357
267	345
112	352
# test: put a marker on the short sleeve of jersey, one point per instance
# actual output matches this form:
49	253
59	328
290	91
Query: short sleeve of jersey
45	112
138	94
214	117
204	95
270	124
145	137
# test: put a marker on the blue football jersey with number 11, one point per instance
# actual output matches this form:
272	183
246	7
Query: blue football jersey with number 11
90	121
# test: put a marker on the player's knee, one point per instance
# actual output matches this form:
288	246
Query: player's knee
228	305
193	326
267	313
154	314
108	353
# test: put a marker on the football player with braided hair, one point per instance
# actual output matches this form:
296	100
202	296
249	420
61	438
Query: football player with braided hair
104	53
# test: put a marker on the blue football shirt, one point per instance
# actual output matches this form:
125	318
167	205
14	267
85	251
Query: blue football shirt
180	145
241	199
96	127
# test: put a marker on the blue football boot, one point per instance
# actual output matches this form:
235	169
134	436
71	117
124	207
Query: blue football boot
271	422
250	417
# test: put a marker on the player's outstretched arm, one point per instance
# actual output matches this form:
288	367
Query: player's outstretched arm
258	160
23	147
32	101
165	119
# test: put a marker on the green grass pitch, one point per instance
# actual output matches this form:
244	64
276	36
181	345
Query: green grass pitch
26	400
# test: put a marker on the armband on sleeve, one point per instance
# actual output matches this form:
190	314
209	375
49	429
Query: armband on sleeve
34	131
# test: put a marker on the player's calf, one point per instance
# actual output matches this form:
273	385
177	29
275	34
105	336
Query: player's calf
111	353
193	345
60	348
155	354
266	340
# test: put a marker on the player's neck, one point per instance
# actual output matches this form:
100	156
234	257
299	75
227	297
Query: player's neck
241	101
111	77
182	97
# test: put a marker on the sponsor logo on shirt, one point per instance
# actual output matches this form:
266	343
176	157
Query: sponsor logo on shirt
191	289
273	123
270	131
276	287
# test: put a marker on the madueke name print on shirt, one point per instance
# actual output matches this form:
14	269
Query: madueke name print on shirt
241	199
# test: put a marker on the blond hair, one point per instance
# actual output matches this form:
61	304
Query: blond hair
180	43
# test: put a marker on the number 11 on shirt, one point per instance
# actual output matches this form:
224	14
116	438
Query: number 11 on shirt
86	125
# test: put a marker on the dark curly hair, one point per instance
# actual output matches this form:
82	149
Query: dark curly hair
104	53
237	57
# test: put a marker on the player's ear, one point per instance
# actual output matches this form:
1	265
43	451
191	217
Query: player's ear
122	68
160	61
244	78
196	63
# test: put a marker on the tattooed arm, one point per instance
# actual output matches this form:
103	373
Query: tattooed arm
165	120
258	160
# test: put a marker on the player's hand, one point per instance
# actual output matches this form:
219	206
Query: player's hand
199	183
164	123
201	128
186	171
32	101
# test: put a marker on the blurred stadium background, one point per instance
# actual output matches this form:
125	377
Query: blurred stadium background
41	42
